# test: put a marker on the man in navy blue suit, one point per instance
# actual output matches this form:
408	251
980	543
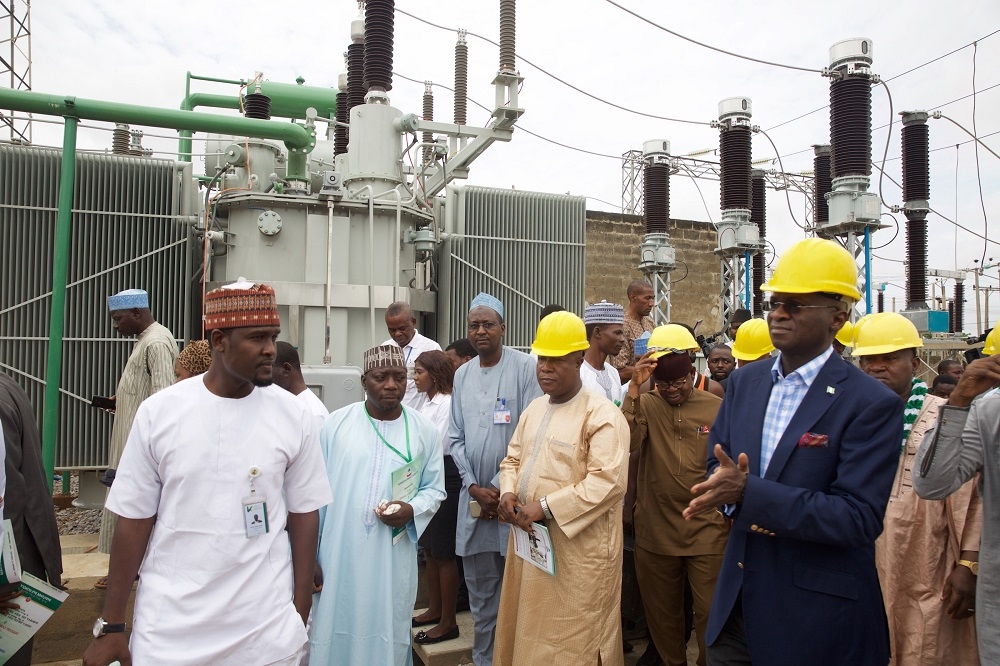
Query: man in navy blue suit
816	444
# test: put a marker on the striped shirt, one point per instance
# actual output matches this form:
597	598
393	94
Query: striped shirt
787	393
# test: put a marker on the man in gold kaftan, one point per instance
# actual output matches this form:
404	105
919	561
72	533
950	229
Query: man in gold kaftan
566	467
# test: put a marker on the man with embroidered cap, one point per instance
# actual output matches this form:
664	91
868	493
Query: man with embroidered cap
669	431
150	368
385	463
218	497
929	549
403	333
603	323
804	451
566	467
489	395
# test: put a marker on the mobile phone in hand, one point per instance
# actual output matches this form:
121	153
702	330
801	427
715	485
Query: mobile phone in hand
475	509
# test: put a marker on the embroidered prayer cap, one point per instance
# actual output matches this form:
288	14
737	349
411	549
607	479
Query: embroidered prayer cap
128	299
603	313
196	357
384	356
672	366
240	305
485	300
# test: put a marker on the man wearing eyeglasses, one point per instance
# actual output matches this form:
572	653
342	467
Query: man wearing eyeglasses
489	395
669	430
804	456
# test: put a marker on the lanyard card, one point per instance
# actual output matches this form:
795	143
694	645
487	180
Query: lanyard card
405	485
501	415
255	515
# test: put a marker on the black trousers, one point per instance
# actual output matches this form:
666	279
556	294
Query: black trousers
731	648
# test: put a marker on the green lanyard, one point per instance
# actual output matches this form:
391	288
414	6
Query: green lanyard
406	425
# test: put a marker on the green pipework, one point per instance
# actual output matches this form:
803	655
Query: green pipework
190	102
57	315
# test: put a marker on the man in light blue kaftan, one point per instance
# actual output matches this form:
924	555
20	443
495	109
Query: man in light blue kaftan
376	451
489	395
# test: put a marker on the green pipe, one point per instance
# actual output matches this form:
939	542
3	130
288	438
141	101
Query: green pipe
195	77
297	138
60	261
189	103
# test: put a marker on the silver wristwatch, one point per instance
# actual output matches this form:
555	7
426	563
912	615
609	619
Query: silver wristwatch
545	508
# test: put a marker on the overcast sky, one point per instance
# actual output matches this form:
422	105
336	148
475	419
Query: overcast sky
139	53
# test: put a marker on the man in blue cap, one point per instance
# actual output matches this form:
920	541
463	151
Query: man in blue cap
150	368
489	395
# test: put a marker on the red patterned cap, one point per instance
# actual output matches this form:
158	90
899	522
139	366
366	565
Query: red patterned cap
240	305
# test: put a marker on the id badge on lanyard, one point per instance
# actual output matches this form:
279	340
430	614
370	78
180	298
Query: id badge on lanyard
501	415
254	509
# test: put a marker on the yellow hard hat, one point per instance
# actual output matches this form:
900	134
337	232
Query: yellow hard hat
671	338
992	342
884	333
815	265
858	325
753	340
845	335
559	334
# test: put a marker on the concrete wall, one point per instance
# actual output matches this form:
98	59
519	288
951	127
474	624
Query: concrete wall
613	254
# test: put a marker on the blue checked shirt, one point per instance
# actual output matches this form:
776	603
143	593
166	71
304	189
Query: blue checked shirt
786	396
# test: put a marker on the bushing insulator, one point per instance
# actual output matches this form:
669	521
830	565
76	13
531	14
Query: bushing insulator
959	307
734	165
507	35
851	127
120	139
880	304
355	76
461	82
823	184
257	105
428	137
656	197
379	18
916	162
758	215
340	136
916	262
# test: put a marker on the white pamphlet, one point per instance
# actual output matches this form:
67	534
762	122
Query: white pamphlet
535	547
38	601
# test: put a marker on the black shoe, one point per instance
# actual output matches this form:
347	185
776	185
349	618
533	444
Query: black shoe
650	657
626	646
423	639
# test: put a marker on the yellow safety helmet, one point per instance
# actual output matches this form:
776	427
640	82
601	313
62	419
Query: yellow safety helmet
815	265
884	333
559	334
992	345
671	338
845	335
753	340
858	325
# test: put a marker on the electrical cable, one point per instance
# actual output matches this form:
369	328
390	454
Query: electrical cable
887	244
950	146
974	137
898	261
553	76
788	199
703	202
979	177
708	46
885	153
891	78
686	271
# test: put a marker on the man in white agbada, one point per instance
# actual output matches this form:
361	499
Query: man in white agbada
217	495
288	375
606	335
385	462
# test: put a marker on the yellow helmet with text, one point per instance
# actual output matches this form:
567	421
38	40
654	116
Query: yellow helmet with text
559	334
884	333
815	265
671	338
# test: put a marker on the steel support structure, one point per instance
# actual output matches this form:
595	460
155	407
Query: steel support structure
632	201
15	62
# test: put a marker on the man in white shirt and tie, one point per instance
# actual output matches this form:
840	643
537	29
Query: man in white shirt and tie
403	333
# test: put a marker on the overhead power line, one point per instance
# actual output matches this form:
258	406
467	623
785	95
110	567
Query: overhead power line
556	78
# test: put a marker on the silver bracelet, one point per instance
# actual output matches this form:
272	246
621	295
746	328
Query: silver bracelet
545	508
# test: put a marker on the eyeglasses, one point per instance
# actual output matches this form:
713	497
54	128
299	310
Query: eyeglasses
485	325
676	384
791	307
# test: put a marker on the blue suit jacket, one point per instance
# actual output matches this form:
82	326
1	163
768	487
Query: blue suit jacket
802	546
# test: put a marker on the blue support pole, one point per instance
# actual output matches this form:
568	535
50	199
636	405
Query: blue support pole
868	270
747	281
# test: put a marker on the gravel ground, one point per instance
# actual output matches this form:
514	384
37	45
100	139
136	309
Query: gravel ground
78	521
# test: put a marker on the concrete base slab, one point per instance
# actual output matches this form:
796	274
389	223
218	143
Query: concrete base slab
447	653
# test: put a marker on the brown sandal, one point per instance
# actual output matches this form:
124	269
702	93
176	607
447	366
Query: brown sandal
102	583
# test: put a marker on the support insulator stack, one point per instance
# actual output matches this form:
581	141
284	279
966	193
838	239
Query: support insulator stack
951	317
120	139
355	75
428	137
461	78
851	126
822	180
379	19
734	165
758	216
507	35
340	132
257	105
656	197
881	301
916	195
959	307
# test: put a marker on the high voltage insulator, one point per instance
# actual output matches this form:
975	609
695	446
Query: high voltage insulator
656	197
120	138
916	193
340	132
507	35
916	158
428	137
851	126
257	105
355	75
821	177
461	78
959	307
379	18
734	165
758	215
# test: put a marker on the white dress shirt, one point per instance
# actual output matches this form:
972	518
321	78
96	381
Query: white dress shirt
418	345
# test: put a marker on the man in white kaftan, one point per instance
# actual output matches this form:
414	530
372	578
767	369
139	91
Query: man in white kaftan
362	615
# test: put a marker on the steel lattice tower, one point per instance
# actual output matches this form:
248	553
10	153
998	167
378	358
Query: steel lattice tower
15	61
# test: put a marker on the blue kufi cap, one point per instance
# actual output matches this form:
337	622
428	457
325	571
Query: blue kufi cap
485	300
128	299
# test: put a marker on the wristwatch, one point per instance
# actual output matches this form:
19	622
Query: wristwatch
101	627
973	566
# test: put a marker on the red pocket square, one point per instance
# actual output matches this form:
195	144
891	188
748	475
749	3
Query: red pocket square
812	439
